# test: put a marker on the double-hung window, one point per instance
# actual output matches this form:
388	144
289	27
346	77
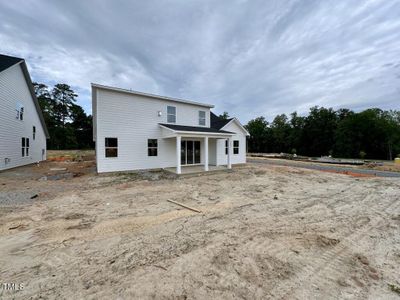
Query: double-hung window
152	147
20	112
202	118
171	114
111	146
226	147
25	146
236	147
33	132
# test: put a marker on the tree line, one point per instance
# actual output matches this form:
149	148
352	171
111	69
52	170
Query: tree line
373	133
68	125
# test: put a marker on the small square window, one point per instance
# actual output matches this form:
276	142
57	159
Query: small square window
111	147
152	147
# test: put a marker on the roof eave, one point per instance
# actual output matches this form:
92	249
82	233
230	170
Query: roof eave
131	92
35	100
197	132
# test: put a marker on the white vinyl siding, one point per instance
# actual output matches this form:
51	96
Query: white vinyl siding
14	93
239	136
135	119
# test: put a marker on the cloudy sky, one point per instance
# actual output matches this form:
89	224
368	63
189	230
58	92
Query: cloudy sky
249	58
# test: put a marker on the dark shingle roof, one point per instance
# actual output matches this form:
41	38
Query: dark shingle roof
217	122
194	128
8	61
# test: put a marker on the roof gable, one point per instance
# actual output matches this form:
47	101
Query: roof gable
8	61
218	122
236	121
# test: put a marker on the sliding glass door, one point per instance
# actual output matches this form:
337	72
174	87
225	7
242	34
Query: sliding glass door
190	152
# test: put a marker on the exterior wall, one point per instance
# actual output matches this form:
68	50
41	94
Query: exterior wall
133	119
240	158
212	151
13	90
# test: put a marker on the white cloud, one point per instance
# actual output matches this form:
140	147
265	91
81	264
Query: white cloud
249	58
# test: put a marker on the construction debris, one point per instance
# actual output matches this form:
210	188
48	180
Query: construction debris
185	206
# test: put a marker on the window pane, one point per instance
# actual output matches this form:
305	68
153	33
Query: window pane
23	151
235	150
27	142
27	151
111	152
23	142
152	143
171	119
171	110
111	142
235	143
152	151
197	152
189	152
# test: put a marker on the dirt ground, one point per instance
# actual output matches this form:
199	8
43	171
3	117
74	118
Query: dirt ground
263	232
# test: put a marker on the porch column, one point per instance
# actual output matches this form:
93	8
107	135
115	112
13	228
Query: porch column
178	155
206	153
229	153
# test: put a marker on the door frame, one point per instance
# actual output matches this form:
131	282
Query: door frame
184	148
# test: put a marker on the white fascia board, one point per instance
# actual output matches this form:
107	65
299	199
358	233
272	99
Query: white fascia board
194	133
120	90
240	125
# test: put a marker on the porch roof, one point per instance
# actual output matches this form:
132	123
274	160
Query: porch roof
181	129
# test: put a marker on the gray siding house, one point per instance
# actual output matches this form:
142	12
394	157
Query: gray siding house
135	130
23	132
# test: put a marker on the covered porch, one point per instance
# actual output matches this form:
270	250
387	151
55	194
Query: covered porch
196	169
197	149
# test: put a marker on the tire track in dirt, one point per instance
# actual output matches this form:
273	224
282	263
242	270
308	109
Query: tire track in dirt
332	259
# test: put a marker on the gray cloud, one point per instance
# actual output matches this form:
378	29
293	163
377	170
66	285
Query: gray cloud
250	58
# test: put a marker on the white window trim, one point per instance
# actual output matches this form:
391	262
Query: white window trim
205	118
20	111
26	152
238	147
105	148
176	113
148	147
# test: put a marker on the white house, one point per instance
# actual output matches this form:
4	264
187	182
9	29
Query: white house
23	131
134	131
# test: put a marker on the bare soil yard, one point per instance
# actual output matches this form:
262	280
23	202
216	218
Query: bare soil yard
264	232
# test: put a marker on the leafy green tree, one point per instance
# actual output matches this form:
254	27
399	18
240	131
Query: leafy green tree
68	125
65	98
280	130
318	136
258	129
224	115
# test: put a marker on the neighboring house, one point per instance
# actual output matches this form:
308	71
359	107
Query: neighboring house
134	131
23	132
